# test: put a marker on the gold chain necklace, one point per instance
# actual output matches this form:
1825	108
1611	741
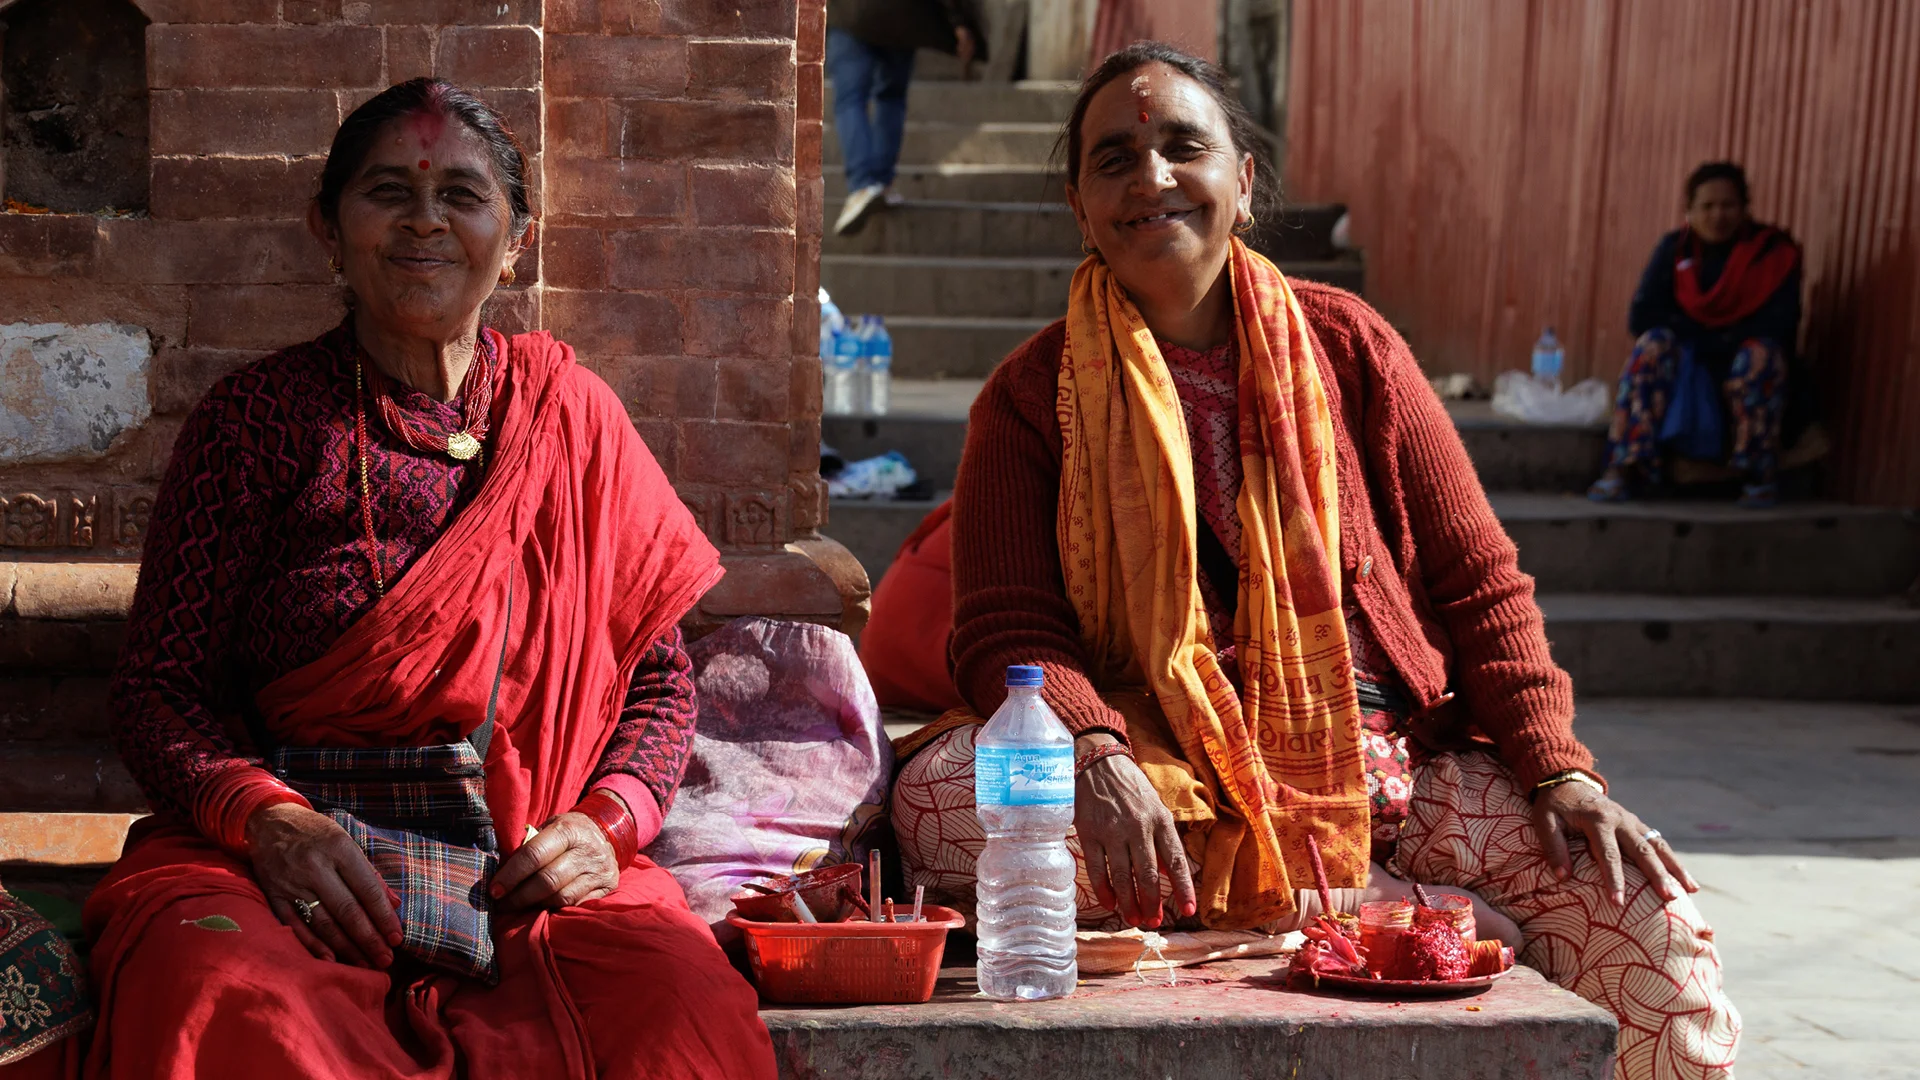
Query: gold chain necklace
376	555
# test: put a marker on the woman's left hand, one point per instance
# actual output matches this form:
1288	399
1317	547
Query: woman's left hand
1609	828
568	862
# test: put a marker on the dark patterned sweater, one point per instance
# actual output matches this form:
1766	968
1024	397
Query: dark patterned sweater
256	561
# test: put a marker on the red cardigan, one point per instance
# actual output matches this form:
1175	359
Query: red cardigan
1422	552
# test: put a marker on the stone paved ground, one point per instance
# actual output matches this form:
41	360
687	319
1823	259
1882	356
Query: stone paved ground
1803	824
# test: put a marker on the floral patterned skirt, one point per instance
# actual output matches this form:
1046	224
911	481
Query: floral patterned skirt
1385	756
43	996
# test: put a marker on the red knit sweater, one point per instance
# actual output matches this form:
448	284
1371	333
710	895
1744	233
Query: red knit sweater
1421	551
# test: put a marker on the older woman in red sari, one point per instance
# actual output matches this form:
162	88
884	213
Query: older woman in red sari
415	538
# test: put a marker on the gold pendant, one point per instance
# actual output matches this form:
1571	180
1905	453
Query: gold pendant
462	446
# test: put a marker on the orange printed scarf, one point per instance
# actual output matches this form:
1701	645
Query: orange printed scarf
1249	775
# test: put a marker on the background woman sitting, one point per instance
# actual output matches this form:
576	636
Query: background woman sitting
1228	517
1717	315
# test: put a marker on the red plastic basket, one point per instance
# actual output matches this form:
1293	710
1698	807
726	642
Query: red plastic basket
848	963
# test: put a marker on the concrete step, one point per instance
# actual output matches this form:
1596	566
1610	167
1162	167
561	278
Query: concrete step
1509	456
36	707
950	229
892	285
991	142
1711	548
1793	648
1219	1020
1568	545
954	346
961	182
61	840
69	776
1027	101
953	228
1512	456
1025	288
874	529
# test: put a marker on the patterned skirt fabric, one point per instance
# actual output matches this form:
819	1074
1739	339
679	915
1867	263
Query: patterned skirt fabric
1651	964
43	994
420	813
1754	399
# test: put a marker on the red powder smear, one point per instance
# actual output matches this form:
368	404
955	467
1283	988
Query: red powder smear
1434	951
425	165
426	125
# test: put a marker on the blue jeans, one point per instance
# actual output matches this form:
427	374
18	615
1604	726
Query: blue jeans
862	73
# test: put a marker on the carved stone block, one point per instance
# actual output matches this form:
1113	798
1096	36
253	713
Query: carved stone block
754	520
29	521
131	530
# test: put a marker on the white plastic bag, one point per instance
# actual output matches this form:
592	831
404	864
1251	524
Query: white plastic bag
1519	395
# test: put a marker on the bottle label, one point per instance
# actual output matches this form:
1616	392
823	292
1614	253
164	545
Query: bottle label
1023	775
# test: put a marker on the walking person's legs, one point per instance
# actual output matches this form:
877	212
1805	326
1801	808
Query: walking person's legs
893	74
854	66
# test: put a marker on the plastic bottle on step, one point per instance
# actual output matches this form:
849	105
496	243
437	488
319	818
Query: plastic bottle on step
1023	789
879	354
841	393
1548	359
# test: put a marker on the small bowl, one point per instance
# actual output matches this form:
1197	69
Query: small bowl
831	893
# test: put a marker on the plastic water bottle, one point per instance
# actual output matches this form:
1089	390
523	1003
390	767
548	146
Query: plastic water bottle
840	396
1023	789
863	338
1548	359
879	355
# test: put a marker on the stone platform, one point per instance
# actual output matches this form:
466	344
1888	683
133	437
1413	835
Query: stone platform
1221	1022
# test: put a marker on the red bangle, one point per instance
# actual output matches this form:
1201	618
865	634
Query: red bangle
608	811
1112	749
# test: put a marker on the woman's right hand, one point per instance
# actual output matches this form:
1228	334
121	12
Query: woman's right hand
300	854
1128	839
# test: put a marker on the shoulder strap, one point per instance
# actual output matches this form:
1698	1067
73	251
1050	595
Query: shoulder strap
483	735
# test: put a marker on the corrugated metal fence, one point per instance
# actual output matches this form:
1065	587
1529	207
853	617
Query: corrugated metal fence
1510	163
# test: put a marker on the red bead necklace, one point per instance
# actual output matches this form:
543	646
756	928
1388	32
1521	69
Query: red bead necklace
462	445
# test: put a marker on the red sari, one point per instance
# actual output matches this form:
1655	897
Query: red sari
602	559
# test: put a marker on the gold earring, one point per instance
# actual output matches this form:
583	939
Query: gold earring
333	263
1245	227
506	275
1087	248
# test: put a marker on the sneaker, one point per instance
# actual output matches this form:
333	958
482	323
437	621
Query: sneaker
859	206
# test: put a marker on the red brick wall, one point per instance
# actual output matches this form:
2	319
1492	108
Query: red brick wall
676	151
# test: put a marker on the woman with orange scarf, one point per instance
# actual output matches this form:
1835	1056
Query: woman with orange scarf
1228	517
404	687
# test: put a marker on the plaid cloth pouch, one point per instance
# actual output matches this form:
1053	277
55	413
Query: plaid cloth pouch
420	814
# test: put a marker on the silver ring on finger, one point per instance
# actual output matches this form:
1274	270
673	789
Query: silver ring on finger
306	908
1650	836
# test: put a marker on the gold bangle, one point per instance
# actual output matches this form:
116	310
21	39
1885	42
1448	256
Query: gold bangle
1569	776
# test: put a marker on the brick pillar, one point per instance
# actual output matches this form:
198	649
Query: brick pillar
680	258
675	152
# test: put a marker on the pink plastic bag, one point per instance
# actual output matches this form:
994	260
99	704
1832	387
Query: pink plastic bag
790	763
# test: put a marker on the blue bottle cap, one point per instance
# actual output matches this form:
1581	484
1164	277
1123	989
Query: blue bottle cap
1025	675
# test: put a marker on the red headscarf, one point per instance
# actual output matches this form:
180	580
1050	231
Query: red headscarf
1762	258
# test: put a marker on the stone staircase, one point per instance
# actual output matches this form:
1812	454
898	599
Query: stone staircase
1680	598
